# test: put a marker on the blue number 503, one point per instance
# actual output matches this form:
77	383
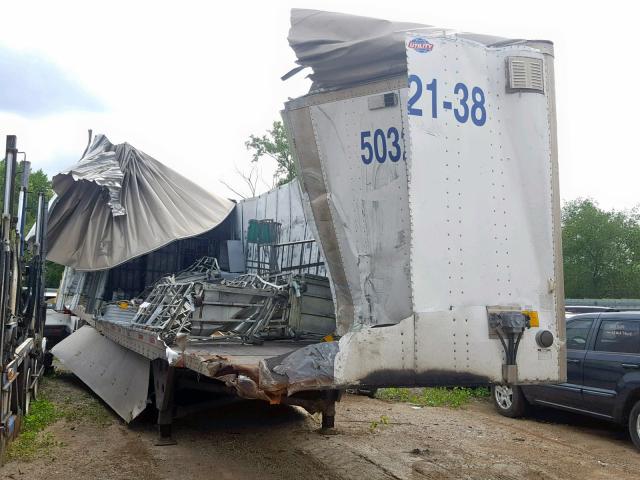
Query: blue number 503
382	147
365	145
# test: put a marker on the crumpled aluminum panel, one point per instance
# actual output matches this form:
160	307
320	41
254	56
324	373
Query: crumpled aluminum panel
100	165
116	374
118	203
345	50
368	202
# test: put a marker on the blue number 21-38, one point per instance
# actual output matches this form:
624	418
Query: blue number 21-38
477	111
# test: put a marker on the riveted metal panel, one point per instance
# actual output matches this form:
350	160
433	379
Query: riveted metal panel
484	227
482	210
364	168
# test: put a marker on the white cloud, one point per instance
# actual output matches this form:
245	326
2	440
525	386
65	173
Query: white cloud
188	82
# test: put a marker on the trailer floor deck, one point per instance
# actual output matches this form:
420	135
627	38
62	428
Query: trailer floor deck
243	353
197	352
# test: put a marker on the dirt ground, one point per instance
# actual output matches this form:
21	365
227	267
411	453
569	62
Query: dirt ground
253	440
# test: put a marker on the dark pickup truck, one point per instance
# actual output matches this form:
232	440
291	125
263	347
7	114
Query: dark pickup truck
603	373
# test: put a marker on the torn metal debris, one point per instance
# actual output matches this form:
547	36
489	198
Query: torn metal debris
187	316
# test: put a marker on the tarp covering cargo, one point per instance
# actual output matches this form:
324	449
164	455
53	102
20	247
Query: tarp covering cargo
118	203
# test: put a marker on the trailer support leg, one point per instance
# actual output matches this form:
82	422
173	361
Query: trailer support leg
329	411
329	418
164	385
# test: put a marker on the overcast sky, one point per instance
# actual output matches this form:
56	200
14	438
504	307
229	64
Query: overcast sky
187	82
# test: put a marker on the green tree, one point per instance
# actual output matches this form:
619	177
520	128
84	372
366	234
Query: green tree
38	182
274	144
53	274
601	251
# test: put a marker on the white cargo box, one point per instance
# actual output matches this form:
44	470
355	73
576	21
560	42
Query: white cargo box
435	198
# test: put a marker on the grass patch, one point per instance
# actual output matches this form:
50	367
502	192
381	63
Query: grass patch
60	399
73	402
384	421
83	408
433	397
31	440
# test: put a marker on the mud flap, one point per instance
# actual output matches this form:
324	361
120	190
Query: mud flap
117	375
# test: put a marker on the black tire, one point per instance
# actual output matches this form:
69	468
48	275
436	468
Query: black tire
508	400
48	363
3	444
634	425
26	394
36	382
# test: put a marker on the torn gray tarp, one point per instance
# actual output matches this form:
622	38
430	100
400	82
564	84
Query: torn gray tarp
118	203
307	368
345	50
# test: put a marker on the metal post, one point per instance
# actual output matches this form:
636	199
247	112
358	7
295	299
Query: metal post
546	48
164	382
329	417
10	168
37	313
329	410
5	253
22	205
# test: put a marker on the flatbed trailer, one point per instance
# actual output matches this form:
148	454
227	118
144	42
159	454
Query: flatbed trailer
231	369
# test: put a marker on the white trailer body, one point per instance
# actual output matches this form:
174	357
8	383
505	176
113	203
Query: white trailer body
435	199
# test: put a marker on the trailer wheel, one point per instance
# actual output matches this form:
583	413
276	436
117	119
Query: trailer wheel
5	402
2	447
48	363
23	393
36	383
14	397
27	393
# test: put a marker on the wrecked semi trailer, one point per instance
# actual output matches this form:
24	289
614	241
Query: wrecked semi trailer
428	161
22	304
427	164
201	329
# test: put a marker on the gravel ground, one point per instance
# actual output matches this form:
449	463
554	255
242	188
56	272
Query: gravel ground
374	440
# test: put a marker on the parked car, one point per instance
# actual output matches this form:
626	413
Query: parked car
57	327
603	373
573	310
50	297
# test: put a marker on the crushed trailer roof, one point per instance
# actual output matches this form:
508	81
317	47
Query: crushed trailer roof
344	50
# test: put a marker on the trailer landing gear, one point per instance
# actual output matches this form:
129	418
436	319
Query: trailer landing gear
164	385
329	412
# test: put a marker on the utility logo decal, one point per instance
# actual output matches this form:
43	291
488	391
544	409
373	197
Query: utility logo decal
421	45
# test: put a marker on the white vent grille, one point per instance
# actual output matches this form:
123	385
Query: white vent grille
525	74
